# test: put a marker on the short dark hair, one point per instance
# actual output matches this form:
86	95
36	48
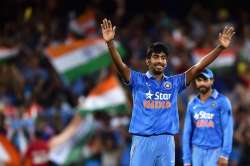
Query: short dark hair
157	47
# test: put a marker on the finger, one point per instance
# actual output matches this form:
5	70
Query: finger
105	25
220	35
230	30
114	28
109	24
231	35
106	22
102	26
225	29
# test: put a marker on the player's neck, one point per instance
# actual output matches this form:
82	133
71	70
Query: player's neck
205	96
158	76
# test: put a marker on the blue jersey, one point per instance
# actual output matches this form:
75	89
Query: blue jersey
208	125
155	103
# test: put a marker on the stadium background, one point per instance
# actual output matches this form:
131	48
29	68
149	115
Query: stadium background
38	100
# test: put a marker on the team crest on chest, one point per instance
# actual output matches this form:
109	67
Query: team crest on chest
168	85
213	104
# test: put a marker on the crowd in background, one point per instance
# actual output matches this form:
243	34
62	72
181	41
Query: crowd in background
29	82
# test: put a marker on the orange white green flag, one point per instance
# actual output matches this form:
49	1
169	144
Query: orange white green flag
85	24
225	59
107	95
6	53
80	57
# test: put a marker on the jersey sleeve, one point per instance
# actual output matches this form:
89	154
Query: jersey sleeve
135	77
180	82
227	126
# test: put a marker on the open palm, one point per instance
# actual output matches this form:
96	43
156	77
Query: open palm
226	36
108	31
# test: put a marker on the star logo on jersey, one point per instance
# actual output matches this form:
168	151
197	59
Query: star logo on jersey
203	115
149	95
196	116
168	85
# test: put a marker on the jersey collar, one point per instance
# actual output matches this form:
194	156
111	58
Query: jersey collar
215	94
149	75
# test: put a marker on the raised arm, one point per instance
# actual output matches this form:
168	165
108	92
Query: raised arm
108	33
224	42
67	133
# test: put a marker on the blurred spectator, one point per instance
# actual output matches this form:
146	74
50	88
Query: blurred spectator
37	151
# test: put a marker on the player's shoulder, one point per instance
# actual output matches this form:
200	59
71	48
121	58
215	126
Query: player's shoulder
223	98
177	75
137	74
224	102
219	95
192	100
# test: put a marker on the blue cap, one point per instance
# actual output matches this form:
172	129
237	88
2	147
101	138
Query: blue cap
207	73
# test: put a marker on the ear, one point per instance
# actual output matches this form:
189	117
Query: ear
212	81
166	63
147	61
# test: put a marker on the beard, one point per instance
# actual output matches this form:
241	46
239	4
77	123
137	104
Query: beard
157	72
158	69
203	89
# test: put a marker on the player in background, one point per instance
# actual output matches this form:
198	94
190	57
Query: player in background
208	127
155	119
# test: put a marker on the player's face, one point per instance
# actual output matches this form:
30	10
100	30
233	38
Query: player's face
157	62
203	84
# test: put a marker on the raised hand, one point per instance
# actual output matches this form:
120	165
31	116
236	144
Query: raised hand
108	31
226	36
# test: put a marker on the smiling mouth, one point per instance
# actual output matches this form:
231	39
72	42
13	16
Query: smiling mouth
159	66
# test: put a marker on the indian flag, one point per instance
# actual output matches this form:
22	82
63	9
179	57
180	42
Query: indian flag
80	57
9	155
85	24
107	95
70	151
6	53
225	59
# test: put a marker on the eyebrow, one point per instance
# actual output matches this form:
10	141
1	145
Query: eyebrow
202	78
159	54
